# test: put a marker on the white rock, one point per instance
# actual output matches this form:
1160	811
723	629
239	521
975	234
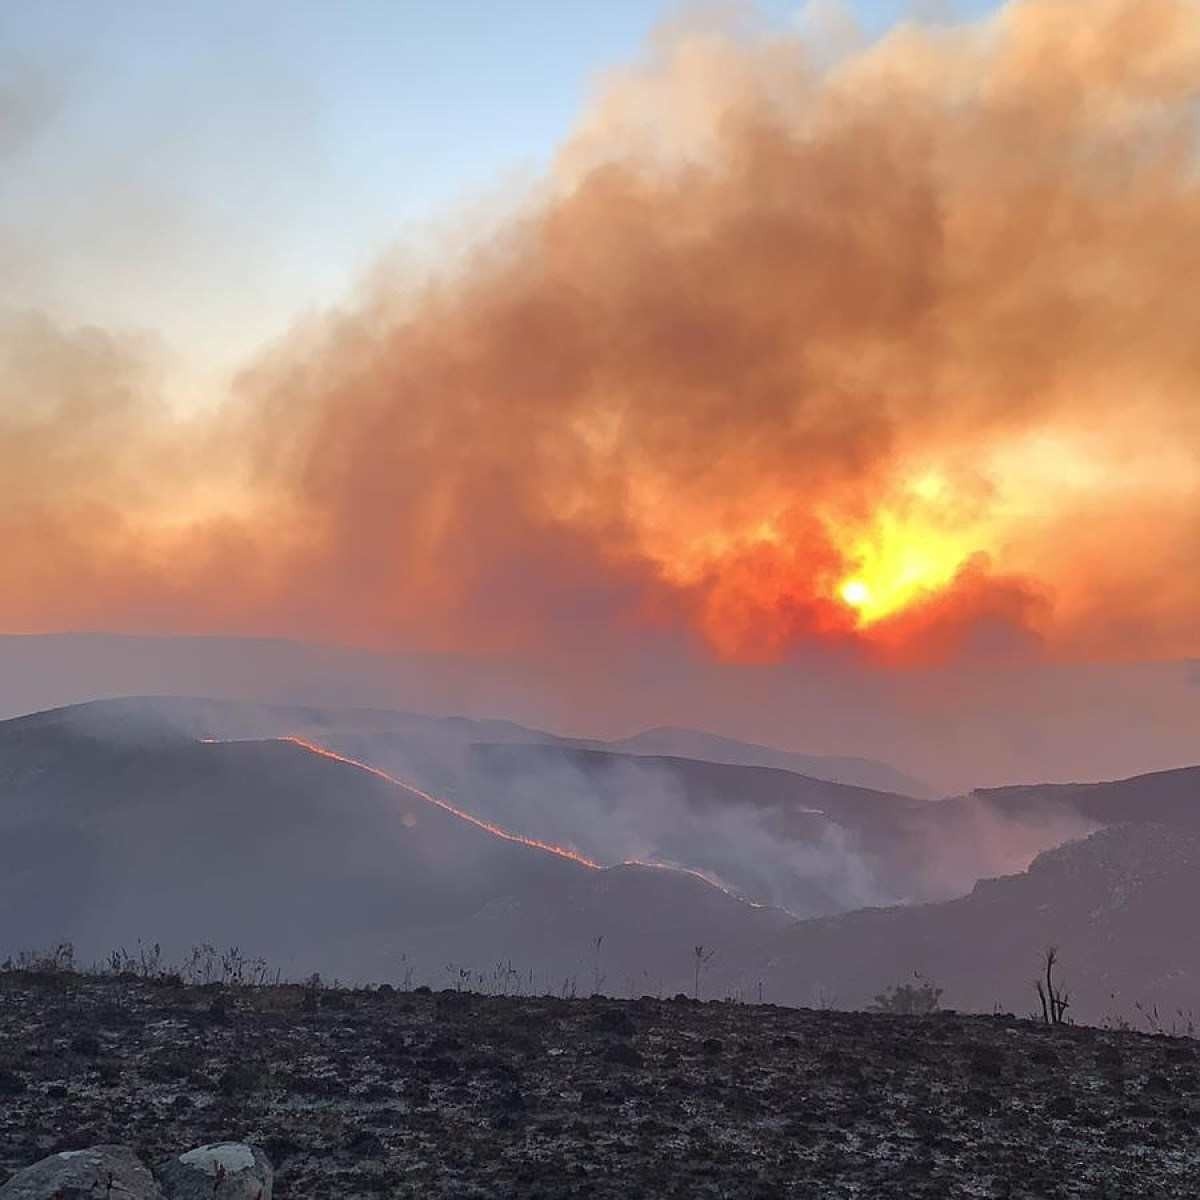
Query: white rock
109	1171
229	1156
222	1171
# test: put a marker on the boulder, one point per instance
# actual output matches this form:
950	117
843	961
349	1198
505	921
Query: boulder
101	1172
222	1171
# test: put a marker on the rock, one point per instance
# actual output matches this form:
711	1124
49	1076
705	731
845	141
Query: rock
222	1171
108	1172
623	1055
613	1020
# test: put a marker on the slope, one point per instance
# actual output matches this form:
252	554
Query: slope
315	863
1120	904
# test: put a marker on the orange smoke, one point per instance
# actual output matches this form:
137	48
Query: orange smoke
895	354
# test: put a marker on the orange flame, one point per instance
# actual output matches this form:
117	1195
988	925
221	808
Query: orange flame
488	826
478	822
704	876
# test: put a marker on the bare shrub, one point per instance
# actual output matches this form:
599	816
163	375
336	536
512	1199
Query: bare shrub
916	999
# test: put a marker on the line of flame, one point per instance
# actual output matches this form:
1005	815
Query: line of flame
486	826
711	880
704	876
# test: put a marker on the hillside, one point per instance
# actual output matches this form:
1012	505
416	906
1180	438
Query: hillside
432	738
105	840
812	846
808	845
117	825
666	741
986	724
1119	904
1162	797
367	1093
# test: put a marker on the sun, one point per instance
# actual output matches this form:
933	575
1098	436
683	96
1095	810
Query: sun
911	547
897	564
855	593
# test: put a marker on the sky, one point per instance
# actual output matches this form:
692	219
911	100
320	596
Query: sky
762	334
207	171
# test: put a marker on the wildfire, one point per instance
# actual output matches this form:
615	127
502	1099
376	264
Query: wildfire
487	826
479	823
704	876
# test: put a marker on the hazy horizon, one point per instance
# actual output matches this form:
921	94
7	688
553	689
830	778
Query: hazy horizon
953	729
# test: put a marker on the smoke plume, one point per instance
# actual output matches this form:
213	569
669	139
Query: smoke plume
886	348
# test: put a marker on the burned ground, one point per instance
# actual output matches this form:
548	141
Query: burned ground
451	1094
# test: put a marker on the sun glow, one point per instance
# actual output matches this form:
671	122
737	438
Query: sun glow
855	593
907	551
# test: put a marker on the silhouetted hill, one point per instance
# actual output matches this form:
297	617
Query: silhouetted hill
117	824
808	844
707	784
1120	904
779	838
961	726
1164	797
669	741
322	864
434	737
811	846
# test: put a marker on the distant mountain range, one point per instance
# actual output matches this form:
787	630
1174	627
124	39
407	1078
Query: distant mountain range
185	821
666	741
217	716
916	732
57	670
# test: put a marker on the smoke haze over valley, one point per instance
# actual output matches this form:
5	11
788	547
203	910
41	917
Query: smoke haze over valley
371	844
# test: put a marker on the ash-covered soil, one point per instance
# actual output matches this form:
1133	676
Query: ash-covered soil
384	1093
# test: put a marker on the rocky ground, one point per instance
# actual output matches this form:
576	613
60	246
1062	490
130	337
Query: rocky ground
387	1093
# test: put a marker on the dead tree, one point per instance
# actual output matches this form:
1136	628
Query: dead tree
702	957
1055	1001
